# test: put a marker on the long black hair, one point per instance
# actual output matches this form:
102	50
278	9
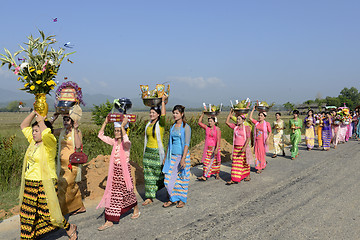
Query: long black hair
158	111
181	109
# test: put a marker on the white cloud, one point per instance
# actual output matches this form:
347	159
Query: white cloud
201	82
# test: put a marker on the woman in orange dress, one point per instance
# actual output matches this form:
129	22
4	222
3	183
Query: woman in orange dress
70	138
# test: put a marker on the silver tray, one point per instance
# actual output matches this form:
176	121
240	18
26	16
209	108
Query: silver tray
262	109
153	102
241	110
211	114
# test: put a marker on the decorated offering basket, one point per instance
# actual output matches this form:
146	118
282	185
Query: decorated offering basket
153	98
121	105
239	111
346	122
262	109
118	117
337	122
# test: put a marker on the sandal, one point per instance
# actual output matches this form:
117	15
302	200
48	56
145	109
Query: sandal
180	204
259	171
80	210
105	226
73	235
217	177
135	216
202	178
230	182
168	204
247	179
274	156
147	202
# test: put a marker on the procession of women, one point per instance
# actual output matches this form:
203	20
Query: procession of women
50	193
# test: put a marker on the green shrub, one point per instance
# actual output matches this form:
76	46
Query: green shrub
11	156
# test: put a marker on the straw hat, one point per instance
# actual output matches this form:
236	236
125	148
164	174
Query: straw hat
75	113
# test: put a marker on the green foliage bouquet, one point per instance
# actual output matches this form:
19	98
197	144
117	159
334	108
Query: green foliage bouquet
39	66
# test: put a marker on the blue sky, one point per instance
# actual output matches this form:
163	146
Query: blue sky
210	51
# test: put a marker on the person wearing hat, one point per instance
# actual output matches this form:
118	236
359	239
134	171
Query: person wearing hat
119	196
262	134
154	152
70	139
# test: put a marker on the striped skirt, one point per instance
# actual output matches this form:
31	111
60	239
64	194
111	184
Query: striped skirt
34	212
177	181
152	172
326	137
211	163
239	168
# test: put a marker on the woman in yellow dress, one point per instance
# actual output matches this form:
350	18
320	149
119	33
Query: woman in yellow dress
278	127
70	138
40	212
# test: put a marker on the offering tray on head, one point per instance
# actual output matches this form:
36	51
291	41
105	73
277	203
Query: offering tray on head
239	111
118	117
153	102
211	114
262	109
64	106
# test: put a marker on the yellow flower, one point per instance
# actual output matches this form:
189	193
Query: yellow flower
32	87
39	72
25	77
26	84
51	82
32	69
38	81
52	87
19	78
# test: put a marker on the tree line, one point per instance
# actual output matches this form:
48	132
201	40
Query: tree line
348	96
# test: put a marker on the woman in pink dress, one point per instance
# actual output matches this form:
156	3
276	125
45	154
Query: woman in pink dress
241	153
262	134
211	156
119	196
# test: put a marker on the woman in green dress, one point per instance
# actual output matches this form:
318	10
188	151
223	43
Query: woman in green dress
295	134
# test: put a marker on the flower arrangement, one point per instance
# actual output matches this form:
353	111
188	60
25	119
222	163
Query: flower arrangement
70	84
39	66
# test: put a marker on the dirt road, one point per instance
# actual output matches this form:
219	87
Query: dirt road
316	196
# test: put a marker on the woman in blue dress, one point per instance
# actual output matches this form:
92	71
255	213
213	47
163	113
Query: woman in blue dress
177	160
